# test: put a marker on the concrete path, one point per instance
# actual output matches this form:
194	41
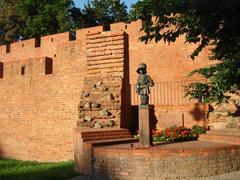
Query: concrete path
228	176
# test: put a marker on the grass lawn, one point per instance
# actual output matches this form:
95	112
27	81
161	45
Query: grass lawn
26	170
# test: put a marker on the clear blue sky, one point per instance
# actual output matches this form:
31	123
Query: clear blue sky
80	3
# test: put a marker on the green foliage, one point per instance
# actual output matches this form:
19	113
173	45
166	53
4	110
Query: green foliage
104	12
221	78
89	15
77	18
27	170
45	17
196	129
11	22
32	18
206	22
1	3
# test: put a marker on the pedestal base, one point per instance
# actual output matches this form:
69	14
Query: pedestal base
145	134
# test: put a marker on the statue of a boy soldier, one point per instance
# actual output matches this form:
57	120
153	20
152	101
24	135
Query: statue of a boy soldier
143	83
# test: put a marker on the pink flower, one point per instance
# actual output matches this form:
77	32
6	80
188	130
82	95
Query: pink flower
184	132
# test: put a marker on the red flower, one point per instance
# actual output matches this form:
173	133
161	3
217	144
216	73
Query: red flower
184	132
154	131
158	133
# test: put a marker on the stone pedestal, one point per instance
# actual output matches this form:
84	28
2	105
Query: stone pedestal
145	134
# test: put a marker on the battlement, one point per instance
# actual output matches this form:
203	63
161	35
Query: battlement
50	41
36	43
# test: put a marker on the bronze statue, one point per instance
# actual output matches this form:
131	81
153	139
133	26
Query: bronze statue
143	83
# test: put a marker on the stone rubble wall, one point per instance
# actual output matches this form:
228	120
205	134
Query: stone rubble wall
227	114
100	102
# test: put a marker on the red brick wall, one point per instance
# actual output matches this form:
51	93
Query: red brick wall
166	63
39	112
163	163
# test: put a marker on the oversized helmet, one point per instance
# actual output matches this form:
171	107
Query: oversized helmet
141	66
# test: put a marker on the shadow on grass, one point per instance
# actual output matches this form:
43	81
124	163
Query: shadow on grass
23	170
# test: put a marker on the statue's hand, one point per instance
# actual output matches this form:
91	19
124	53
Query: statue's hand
151	84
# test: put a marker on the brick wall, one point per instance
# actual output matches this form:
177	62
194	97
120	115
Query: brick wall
39	111
188	160
152	164
102	100
86	139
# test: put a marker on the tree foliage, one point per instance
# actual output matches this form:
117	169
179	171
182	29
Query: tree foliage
23	19
212	23
221	77
11	22
77	18
45	17
104	12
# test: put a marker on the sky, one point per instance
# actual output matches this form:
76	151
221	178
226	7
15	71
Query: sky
80	3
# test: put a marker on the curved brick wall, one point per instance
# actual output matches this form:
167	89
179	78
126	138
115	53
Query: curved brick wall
115	163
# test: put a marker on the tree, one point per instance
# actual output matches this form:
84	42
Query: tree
77	18
104	12
32	18
212	23
89	15
10	21
45	17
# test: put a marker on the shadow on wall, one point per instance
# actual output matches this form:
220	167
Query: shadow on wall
199	113
126	93
134	120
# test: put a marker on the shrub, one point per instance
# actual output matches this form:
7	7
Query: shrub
198	129
177	133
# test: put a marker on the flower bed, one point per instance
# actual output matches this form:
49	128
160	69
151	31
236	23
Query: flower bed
177	133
